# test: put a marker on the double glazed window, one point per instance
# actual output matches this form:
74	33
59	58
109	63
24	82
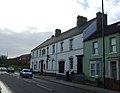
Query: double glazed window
112	44
94	69
95	48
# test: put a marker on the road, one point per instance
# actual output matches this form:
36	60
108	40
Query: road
12	83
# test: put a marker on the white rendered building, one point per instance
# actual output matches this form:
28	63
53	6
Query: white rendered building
63	51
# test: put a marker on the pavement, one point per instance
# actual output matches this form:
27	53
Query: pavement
81	86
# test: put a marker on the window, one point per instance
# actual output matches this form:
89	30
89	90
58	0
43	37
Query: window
47	50
53	49
71	44
39	53
71	63
61	46
112	44
95	48
94	69
33	55
43	52
52	64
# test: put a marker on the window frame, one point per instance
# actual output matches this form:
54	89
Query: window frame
95	48
53	49
113	45
71	44
61	46
71	63
95	69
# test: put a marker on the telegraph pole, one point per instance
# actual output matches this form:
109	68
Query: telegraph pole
103	38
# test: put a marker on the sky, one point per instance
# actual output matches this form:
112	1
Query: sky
24	24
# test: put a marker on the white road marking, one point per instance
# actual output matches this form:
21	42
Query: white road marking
44	87
4	88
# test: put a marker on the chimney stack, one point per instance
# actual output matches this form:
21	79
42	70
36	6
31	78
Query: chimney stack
81	20
99	20
57	32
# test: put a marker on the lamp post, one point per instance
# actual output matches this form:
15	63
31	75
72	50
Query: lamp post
103	38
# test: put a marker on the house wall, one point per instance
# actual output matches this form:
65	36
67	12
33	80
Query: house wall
64	55
88	55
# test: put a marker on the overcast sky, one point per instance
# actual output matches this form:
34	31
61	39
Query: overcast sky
24	24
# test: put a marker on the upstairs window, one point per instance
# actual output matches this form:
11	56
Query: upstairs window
39	53
95	48
71	44
53	48
43	52
61	44
47	50
112	44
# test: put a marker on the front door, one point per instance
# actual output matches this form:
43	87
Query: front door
80	64
42	66
61	66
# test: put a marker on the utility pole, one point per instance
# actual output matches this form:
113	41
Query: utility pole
103	38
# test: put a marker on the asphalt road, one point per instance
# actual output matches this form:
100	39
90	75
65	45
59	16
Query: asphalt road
12	83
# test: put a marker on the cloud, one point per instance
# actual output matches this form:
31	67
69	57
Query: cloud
84	3
20	43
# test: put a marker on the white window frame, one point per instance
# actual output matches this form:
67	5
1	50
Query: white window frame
113	45
95	48
95	69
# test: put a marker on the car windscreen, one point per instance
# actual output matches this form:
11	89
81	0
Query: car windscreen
27	71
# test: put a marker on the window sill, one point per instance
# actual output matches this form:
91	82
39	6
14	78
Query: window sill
112	52
94	54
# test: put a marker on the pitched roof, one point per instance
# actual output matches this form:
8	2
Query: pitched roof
110	29
70	33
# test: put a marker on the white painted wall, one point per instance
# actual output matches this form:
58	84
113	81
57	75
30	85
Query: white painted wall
65	55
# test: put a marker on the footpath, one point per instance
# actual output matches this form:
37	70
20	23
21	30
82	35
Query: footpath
81	86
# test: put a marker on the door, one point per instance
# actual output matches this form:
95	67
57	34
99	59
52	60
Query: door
42	66
79	64
61	66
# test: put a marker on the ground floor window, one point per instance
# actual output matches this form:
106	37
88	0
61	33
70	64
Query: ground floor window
71	63
94	68
35	66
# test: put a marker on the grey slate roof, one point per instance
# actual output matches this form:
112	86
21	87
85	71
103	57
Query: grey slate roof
70	33
110	29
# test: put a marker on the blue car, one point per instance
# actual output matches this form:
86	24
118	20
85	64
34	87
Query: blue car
26	73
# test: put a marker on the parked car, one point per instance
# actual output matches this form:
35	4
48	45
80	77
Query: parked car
11	69
26	73
3	69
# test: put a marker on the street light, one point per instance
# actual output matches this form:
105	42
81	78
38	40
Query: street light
103	45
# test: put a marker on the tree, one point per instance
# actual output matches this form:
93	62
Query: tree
3	57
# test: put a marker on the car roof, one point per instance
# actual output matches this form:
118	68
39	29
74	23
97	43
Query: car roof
26	69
